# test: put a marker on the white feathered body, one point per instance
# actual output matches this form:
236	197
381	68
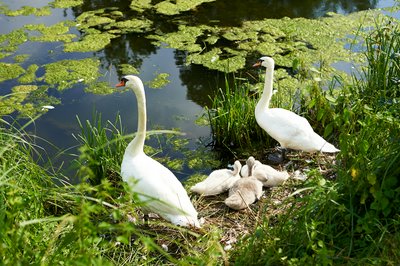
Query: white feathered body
218	181
244	192
291	130
159	189
269	176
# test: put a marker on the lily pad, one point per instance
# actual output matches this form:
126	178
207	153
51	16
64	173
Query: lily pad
66	73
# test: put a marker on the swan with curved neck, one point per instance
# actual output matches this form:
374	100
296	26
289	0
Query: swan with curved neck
289	129
156	186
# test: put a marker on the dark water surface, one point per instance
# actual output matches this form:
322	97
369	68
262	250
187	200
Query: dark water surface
176	105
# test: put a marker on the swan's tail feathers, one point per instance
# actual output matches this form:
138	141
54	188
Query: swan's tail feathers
235	202
329	148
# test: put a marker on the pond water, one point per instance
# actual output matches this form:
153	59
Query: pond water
179	103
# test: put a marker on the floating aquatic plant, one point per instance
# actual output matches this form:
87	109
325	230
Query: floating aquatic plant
10	71
29	75
9	42
26	99
65	73
176	7
89	43
140	5
160	81
65	3
127	69
55	33
101	87
21	58
27	10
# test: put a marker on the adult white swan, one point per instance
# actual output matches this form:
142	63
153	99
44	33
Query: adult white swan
289	129
157	187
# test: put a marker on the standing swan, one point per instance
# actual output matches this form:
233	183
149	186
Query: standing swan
157	187
289	129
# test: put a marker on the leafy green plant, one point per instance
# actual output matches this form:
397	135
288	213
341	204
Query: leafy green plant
101	149
232	119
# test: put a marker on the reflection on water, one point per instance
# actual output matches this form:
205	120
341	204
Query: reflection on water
191	86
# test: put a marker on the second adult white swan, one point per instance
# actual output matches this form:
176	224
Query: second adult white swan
289	129
157	187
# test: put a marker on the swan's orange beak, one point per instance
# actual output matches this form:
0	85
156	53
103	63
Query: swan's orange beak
121	84
258	64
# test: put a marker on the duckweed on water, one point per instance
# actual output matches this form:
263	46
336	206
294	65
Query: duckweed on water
176	7
127	69
101	87
9	42
54	33
30	75
26	11
158	82
27	100
140	5
65	3
10	71
89	43
66	73
21	58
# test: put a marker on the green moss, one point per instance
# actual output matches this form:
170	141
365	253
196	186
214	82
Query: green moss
158	82
10	71
127	69
65	3
66	73
89	43
54	33
30	75
21	58
100	88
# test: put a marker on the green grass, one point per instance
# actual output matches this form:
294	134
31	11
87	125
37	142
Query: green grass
232	120
86	223
353	219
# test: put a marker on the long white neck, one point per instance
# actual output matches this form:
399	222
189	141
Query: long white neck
267	92
136	145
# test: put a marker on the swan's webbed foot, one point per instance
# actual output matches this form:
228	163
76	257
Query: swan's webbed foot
277	157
